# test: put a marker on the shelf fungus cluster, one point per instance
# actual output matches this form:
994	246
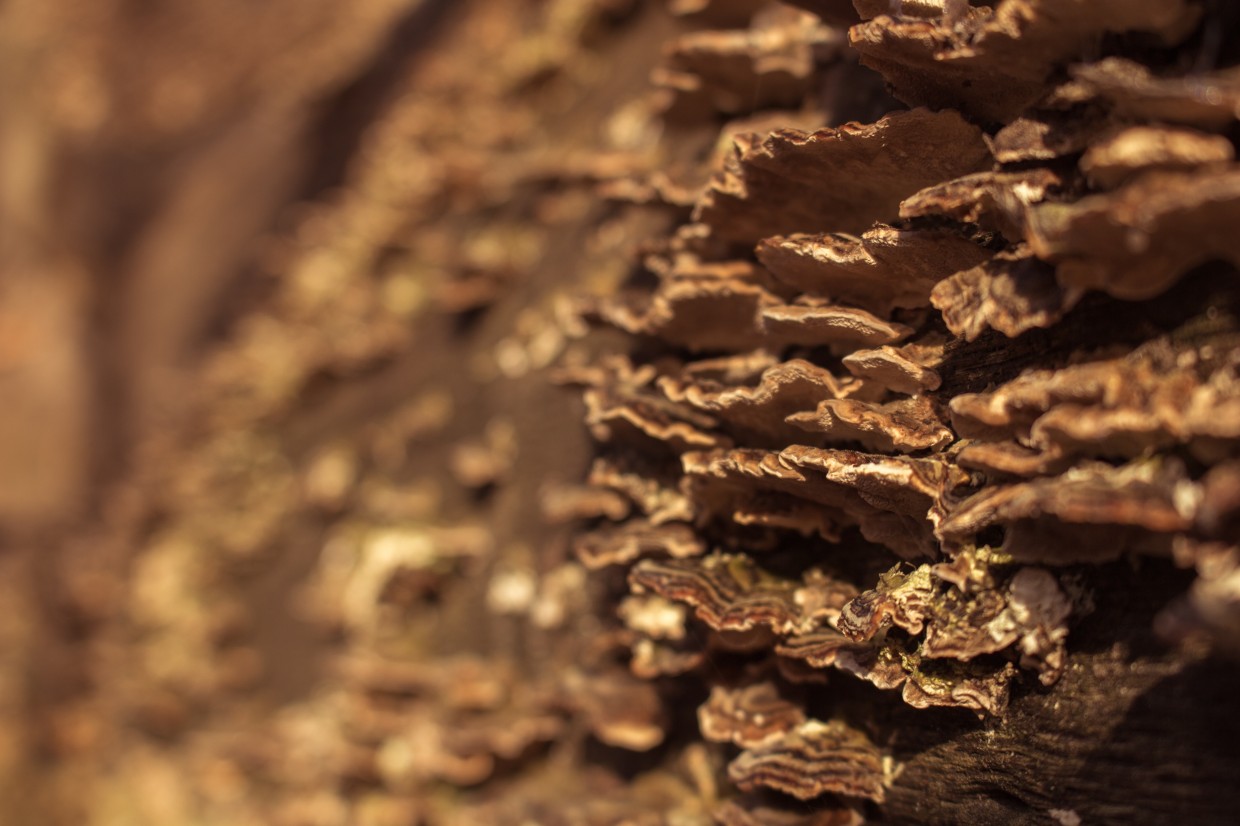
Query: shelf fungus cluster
906	335
894	382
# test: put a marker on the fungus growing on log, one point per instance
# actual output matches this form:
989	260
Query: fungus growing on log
621	411
813	759
882	269
841	180
748	716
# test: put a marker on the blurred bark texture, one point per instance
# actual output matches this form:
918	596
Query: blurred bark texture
619	412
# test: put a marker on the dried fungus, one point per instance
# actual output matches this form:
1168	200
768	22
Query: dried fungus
895	269
1209	100
902	426
814	759
1012	292
992	63
730	593
1133	243
771	64
879	395
839	180
882	269
748	716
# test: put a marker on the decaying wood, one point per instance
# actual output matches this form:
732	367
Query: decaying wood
618	411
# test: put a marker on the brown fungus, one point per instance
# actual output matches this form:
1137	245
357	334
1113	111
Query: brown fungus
748	716
699	313
1134	242
1091	513
617	415
897	484
902	426
1208	100
652	659
760	411
650	485
1048	134
1012	459
836	12
842	179
819	648
814	324
771	510
566	503
994	201
993	63
621	710
909	369
814	759
900	599
1031	613
628	541
883	269
653	616
861	489
1121	407
774	435
981	690
730	593
742	70
1119	156
1012	292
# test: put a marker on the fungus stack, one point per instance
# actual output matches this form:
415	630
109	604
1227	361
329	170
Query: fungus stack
905	380
673	412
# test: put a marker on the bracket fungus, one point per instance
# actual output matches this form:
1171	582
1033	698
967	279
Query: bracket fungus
842	179
898	480
880	270
901	426
729	593
748	716
993	62
844	373
814	759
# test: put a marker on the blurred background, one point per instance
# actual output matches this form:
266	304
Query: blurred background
280	287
